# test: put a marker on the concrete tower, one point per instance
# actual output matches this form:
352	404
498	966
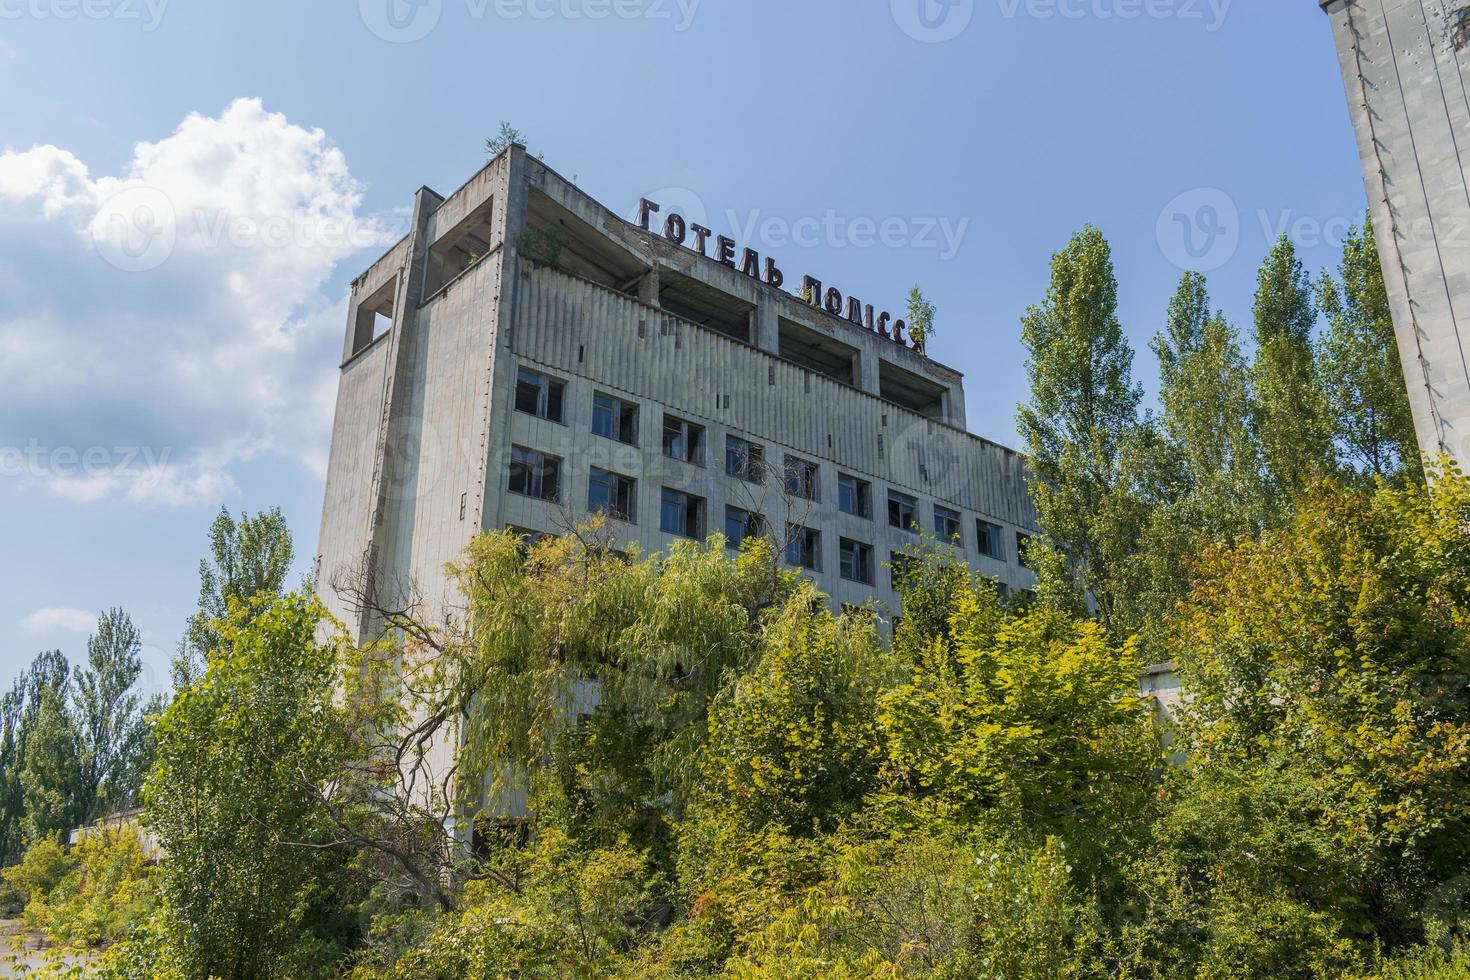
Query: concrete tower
1406	67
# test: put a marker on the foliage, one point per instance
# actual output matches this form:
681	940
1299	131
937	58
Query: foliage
1361	370
1328	735
112	730
506	137
230	792
920	319
247	558
101	890
1291	413
1081	417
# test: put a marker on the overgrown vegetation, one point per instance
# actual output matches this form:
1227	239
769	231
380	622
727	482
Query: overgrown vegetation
687	765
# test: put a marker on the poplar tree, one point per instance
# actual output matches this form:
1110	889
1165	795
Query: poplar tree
109	712
1291	412
1361	370
1079	425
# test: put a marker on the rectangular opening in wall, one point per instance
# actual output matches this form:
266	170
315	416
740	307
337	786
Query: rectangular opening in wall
817	352
705	305
556	237
375	315
459	248
912	391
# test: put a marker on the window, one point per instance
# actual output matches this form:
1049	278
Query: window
741	524
947	524
538	395
534	474
682	514
854	496
988	539
611	494
900	568
1023	549
903	510
683	440
746	460
614	418
856	561
801	478
804	547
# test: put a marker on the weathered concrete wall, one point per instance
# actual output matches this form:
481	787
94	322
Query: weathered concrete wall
1407	73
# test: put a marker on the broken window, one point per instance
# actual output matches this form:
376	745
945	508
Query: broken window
746	460
611	494
741	524
903	511
539	395
856	560
534	474
946	524
614	418
801	478
682	514
683	440
803	548
988	539
854	496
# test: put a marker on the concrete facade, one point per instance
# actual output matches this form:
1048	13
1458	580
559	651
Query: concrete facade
519	271
1406	66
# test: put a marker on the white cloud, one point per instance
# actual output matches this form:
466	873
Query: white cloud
160	327
51	620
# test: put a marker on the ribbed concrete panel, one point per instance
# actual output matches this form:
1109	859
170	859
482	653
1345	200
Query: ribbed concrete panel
1406	68
579	327
347	511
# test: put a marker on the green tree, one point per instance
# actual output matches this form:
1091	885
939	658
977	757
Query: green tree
1081	420
920	319
507	136
1320	806
1292	418
112	730
50	777
232	791
1361	369
12	807
248	557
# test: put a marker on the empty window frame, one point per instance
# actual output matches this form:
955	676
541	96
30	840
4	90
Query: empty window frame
745	460
854	496
804	547
741	524
539	395
989	540
856	561
612	494
947	525
903	510
681	513
614	418
801	478
683	440
534	474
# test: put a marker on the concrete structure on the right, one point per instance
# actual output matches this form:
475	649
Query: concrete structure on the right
1406	67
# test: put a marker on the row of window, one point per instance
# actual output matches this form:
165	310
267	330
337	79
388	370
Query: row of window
614	418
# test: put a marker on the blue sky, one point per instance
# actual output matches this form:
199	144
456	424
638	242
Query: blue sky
140	390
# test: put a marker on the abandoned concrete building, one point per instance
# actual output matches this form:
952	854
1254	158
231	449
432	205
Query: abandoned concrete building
1406	67
526	357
